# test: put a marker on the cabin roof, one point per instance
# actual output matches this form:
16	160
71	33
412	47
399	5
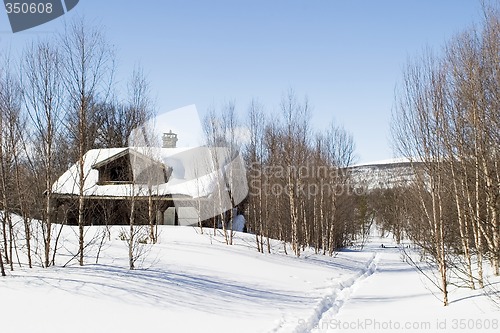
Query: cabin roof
194	172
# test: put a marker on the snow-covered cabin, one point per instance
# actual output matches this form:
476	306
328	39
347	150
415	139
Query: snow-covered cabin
177	186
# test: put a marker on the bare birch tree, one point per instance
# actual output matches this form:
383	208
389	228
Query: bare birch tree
87	73
43	98
140	110
10	110
255	151
296	129
418	135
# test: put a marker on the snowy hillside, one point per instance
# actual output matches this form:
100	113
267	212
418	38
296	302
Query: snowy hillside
193	282
382	174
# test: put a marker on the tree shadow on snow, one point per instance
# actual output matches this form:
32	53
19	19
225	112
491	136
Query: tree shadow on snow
168	289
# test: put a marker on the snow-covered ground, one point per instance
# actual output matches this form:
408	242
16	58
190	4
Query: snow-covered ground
193	282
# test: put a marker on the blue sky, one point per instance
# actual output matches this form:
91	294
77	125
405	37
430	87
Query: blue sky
345	56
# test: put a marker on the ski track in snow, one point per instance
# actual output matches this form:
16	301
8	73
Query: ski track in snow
344	293
332	302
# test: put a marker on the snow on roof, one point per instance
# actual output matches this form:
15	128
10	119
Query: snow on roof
195	172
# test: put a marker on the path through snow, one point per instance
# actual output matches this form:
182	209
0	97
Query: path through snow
193	282
391	295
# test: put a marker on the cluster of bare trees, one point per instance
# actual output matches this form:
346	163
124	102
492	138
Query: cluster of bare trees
299	187
57	101
299	190
447	122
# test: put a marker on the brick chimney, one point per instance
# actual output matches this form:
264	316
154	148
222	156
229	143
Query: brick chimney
169	140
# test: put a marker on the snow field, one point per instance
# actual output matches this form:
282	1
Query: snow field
193	282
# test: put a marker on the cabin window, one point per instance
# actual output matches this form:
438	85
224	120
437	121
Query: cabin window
115	172
120	171
119	174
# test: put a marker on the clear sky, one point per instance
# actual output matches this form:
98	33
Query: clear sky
346	56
